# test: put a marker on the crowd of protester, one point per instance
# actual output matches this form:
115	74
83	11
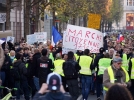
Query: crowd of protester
29	68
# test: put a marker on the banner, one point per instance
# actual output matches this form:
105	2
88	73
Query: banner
10	39
81	38
41	36
94	21
31	39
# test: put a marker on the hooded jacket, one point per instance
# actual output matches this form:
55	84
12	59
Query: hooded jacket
21	69
44	67
36	56
52	96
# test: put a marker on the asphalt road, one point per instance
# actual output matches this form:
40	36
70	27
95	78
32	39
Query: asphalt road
90	97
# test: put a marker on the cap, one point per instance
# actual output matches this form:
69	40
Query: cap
54	81
117	59
101	50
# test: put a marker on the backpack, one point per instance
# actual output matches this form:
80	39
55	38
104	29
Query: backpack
14	72
69	70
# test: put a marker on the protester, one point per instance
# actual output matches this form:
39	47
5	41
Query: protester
116	74
45	67
85	62
118	92
56	90
20	76
71	70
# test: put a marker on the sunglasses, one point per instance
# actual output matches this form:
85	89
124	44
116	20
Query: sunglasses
119	63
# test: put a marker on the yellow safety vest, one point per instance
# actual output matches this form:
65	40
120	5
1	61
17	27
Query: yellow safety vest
94	57
85	62
76	57
132	69
11	67
125	62
58	66
26	65
112	78
103	64
51	57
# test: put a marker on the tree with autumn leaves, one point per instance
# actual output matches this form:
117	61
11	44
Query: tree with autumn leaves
110	11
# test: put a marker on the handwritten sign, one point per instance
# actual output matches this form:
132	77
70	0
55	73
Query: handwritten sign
94	21
41	36
81	38
10	39
31	39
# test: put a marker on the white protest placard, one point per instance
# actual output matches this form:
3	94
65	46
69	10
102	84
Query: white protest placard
41	36
10	39
66	50
81	38
2	17
31	39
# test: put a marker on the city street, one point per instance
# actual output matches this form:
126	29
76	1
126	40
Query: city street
91	97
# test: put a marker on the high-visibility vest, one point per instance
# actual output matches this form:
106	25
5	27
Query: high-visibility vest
76	57
85	62
26	65
125	62
132	69
94	57
112	78
58	66
51	57
103	64
11	67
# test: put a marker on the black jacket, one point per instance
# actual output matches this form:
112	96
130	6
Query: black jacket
36	56
25	58
22	69
7	63
96	60
52	96
44	65
77	67
30	69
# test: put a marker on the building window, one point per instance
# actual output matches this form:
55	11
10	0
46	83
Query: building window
130	2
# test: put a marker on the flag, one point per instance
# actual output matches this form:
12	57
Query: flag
120	38
55	36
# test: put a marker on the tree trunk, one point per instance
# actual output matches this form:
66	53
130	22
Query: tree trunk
54	17
60	29
8	24
73	22
102	26
26	17
85	21
37	17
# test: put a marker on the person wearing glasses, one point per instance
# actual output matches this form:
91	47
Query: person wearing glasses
115	74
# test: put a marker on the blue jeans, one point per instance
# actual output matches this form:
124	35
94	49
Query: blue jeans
36	83
86	82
